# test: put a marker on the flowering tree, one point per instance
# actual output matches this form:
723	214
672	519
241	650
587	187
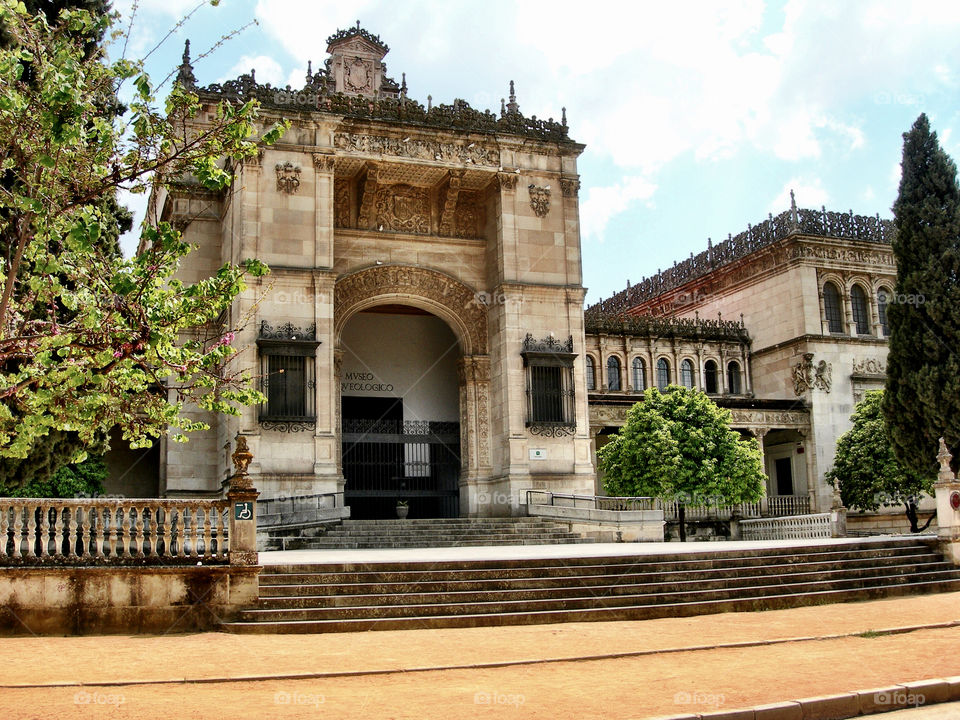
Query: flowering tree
90	341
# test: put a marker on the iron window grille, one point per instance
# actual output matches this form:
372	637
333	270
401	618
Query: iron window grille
882	298
733	378
639	375
613	373
858	303
831	308
550	386
288	377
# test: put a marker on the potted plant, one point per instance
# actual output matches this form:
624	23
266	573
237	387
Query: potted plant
403	507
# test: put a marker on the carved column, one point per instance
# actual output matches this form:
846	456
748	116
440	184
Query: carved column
809	454
337	404
324	210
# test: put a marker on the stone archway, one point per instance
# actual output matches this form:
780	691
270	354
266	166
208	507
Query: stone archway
460	308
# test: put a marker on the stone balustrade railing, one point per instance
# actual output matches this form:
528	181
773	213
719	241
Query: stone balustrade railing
788	528
43	531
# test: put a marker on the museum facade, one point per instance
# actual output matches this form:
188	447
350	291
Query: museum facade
422	334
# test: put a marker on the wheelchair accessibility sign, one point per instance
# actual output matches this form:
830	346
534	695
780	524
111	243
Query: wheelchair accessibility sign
243	510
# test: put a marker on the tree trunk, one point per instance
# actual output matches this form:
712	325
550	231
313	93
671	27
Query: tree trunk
914	521
682	519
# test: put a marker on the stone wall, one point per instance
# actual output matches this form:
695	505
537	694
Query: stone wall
122	600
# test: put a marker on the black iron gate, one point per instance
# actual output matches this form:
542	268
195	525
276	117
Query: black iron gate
387	460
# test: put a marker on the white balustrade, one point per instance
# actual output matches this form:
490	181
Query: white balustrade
787	528
108	531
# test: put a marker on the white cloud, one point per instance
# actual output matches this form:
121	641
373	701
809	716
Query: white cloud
268	70
604	203
809	193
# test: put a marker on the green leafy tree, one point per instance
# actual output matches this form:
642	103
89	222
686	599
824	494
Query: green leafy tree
119	343
922	402
677	445
72	480
866	470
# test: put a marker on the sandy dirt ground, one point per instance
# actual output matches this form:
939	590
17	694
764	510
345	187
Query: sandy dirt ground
689	680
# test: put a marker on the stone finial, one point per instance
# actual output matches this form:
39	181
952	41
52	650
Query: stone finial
563	117
309	72
185	75
944	457
403	84
242	457
512	105
794	216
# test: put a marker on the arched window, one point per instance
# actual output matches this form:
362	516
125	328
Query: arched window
733	378
663	373
591	372
883	297
861	317
831	307
639	375
613	373
686	374
710	376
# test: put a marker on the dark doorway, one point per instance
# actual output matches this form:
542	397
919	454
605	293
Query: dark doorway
783	468
386	459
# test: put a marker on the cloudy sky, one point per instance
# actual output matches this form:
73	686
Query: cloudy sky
698	117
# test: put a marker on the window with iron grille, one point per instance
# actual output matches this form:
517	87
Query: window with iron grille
613	373
710	377
663	373
686	374
639	375
733	378
550	389
591	372
288	376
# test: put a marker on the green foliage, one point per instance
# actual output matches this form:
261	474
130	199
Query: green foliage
678	445
922	401
866	470
83	479
117	343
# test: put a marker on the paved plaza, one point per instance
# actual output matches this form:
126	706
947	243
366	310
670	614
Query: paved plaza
580	670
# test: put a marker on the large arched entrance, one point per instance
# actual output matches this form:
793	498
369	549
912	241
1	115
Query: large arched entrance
438	312
400	413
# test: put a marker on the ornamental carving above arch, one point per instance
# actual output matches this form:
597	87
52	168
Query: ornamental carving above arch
453	301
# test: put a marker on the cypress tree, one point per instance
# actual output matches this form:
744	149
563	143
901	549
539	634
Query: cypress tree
922	401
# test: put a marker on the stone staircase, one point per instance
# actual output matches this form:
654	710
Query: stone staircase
427	533
417	595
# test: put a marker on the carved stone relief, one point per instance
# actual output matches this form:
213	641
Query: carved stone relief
288	178
467	153
570	187
358	76
869	366
539	200
457	298
323	162
341	203
508	181
808	375
403	208
468	216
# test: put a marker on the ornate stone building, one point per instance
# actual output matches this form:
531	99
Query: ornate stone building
810	289
420	336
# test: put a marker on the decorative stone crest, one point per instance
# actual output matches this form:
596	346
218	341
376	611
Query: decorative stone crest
358	76
403	208
808	375
288	178
539	199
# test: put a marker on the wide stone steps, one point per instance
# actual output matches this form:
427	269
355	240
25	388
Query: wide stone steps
380	596
426	533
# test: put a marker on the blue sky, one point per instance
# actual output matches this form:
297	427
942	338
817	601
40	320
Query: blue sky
698	116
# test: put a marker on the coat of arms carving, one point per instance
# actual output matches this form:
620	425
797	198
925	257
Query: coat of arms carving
288	178
808	375
403	208
358	76
539	199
